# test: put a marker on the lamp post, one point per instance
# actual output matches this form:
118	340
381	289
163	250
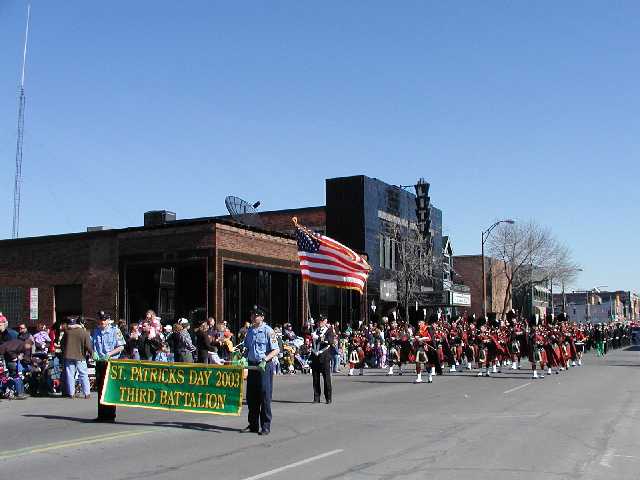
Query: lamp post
485	236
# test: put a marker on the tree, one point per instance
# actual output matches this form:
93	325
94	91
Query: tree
523	250
415	265
560	268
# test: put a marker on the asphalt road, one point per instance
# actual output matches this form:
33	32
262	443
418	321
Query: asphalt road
576	425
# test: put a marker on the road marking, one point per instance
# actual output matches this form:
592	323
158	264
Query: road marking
606	458
627	456
518	388
293	465
71	443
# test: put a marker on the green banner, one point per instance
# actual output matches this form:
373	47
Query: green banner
182	387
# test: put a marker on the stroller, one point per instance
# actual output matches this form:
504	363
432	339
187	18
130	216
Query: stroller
8	385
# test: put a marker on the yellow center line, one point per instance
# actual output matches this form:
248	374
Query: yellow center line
71	443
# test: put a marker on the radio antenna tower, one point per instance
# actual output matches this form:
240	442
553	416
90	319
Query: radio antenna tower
21	103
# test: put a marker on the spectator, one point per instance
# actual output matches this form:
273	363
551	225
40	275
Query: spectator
243	332
13	352
23	333
184	347
76	346
203	342
6	333
41	338
149	343
131	346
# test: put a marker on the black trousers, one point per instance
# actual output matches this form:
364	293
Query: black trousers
325	371
105	412
259	393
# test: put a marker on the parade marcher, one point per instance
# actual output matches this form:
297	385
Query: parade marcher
76	347
261	349
423	340
108	342
323	338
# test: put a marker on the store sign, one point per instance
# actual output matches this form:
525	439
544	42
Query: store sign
461	299
436	298
182	387
33	303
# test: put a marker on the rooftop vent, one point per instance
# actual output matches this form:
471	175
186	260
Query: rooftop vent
155	218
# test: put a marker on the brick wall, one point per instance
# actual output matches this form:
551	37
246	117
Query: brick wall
93	260
469	269
251	248
89	260
280	221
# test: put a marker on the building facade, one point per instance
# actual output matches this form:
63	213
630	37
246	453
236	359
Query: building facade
468	271
599	306
184	268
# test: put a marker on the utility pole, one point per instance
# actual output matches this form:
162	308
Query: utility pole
17	184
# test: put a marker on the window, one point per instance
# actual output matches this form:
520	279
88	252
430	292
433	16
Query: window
394	247
11	299
387	252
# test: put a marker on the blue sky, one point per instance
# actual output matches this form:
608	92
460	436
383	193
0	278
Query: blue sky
527	110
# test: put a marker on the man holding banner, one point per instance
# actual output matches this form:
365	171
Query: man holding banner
108	342
261	348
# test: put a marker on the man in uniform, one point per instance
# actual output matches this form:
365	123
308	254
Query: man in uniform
108	342
261	351
323	337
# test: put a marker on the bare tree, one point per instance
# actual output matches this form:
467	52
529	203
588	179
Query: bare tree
560	268
523	249
414	264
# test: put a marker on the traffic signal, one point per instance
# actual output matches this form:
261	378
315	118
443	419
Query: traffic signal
423	208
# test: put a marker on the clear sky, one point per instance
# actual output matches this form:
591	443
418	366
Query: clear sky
528	110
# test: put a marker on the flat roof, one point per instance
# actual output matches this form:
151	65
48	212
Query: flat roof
116	231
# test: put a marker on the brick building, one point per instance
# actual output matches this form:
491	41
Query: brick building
468	271
184	268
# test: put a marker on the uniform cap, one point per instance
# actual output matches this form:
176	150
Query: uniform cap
257	311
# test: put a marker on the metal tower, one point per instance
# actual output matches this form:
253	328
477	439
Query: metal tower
21	104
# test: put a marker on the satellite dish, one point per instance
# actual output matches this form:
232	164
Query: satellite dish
243	211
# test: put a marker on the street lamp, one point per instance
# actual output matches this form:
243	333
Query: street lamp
485	236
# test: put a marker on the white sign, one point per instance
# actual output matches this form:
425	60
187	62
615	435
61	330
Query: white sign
33	303
461	299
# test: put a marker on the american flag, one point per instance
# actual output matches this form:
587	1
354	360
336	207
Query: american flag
323	261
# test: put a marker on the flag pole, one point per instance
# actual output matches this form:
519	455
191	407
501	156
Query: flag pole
306	310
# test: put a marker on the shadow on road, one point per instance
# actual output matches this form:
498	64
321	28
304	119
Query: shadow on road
291	401
203	427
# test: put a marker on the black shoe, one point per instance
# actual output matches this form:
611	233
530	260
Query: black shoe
249	429
316	400
264	432
328	401
104	420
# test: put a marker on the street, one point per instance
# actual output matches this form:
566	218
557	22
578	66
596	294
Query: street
575	425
